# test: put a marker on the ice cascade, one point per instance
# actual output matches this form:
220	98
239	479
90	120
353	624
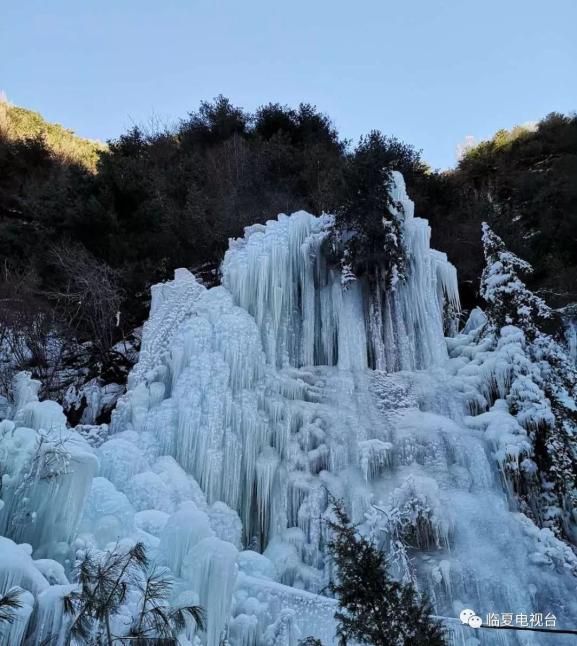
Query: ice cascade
279	274
253	400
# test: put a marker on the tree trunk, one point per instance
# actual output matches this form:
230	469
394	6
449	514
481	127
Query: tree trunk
108	631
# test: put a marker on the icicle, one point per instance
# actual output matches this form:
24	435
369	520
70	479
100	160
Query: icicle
17	568
244	630
266	468
24	390
211	567
374	456
13	632
50	623
49	480
183	530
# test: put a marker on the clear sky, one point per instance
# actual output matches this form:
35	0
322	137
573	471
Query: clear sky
428	71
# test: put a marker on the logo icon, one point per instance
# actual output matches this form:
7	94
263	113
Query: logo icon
469	618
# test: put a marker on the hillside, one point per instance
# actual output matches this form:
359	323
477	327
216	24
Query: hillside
524	182
85	229
19	124
258	403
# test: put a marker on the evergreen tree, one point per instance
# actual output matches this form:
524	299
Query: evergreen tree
105	582
509	300
555	442
541	392
368	224
10	603
375	609
156	619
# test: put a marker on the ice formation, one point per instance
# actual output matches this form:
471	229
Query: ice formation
279	275
571	338
250	402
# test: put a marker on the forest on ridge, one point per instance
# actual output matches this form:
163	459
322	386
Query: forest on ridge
87	228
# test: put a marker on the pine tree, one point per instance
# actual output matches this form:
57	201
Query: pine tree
10	603
375	609
509	300
542	390
156	619
555	442
368	224
105	581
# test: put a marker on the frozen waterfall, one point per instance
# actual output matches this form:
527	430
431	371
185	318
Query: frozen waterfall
250	402
279	274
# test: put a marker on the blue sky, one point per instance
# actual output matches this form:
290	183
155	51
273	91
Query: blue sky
428	71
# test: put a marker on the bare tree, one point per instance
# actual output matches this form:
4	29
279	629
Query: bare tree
88	297
28	331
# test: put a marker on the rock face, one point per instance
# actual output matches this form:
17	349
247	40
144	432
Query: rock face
254	400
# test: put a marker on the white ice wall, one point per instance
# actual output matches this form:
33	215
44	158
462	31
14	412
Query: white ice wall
278	273
249	403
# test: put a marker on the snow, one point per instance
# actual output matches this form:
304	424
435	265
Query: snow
501	284
253	401
151	521
17	568
120	460
103	502
256	565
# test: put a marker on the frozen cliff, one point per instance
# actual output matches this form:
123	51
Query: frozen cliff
250	403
